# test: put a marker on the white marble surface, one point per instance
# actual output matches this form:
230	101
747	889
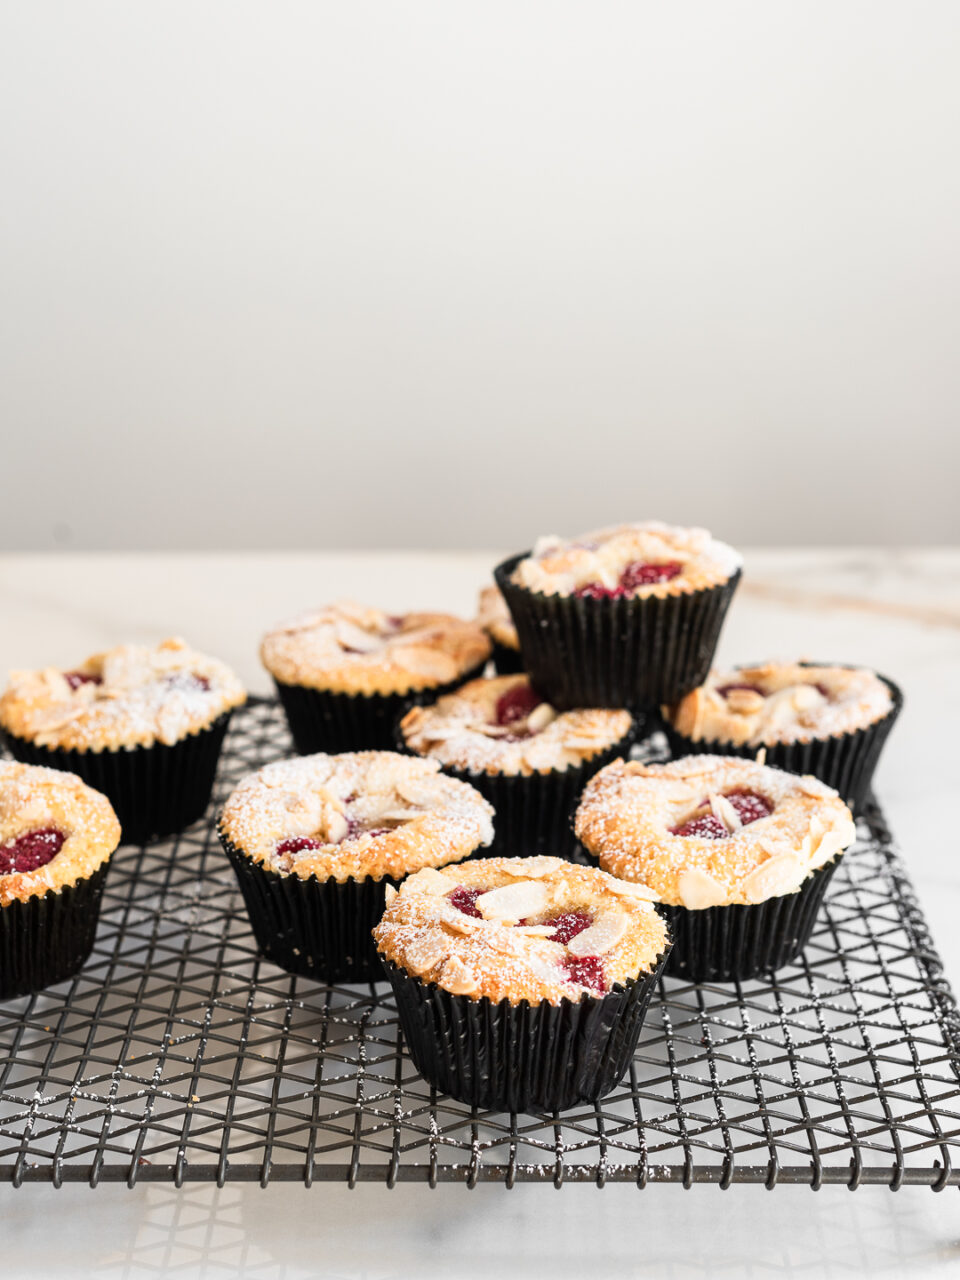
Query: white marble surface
896	611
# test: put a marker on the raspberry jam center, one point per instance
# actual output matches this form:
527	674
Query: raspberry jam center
76	678
31	850
749	807
296	844
516	704
586	971
465	900
636	574
568	925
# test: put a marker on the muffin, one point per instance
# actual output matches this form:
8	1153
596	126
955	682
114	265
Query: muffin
143	724
624	617
494	617
56	838
346	673
521	983
530	761
739	853
807	717
315	842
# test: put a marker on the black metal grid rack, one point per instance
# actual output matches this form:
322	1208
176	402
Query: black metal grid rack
178	1053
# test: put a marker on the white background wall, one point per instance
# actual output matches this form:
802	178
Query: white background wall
413	274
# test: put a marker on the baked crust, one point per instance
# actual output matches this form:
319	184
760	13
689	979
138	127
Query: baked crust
497	958
789	707
138	695
561	567
628	810
373	814
461	730
495	619
33	798
349	648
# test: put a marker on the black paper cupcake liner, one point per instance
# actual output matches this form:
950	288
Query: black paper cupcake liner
321	720
155	791
533	814
48	937
636	652
844	761
730	944
522	1057
507	661
318	928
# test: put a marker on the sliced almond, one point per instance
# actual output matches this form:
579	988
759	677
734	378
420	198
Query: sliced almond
537	867
602	936
429	881
355	640
426	951
698	889
536	930
458	978
724	812
425	793
335	826
540	717
513	902
772	879
389	893
631	889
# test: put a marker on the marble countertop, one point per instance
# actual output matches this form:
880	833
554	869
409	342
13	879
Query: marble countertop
896	611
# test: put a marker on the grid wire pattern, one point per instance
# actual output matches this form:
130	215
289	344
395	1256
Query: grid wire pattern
178	1053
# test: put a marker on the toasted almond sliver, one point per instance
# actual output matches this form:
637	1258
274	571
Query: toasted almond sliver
425	952
458	979
602	936
389	893
540	717
772	879
698	889
513	901
537	867
430	881
632	889
724	812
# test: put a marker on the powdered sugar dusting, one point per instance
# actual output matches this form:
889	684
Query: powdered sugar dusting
599	559
629	812
499	957
370	813
463	730
133	695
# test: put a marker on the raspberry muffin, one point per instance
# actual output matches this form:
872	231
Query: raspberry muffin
521	983
346	673
808	717
739	853
315	842
530	761
627	616
494	617
56	838
143	724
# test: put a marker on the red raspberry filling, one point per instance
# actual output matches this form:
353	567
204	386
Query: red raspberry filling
586	971
636	574
465	900
749	806
296	844
517	703
76	678
568	925
31	850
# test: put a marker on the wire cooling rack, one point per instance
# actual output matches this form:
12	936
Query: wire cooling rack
179	1054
